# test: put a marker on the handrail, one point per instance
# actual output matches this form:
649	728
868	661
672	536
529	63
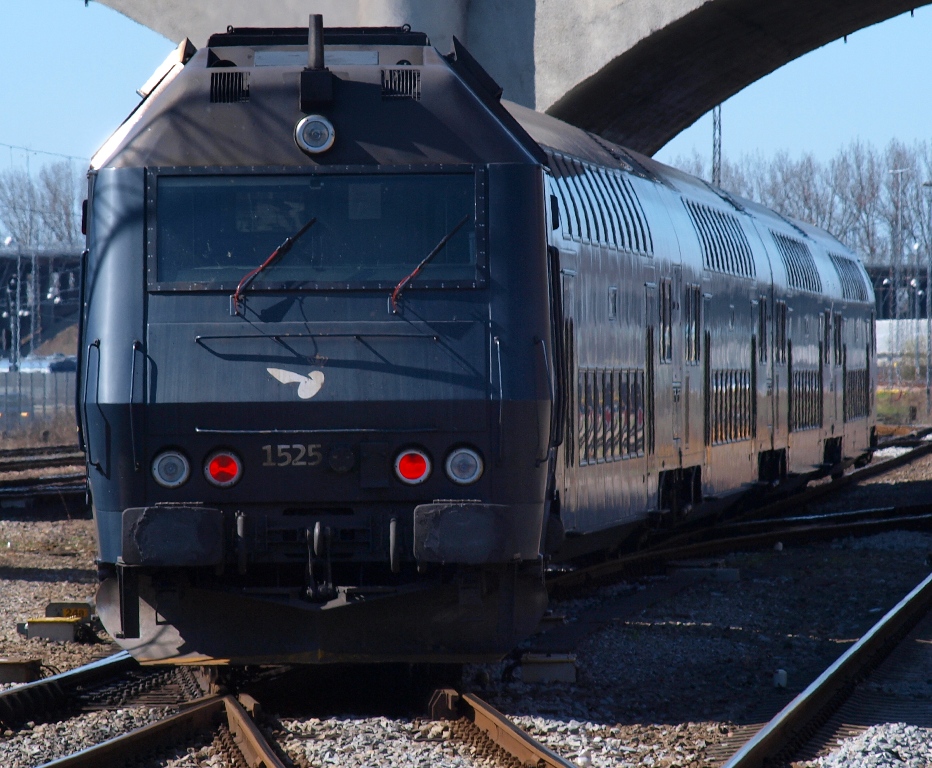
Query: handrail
93	344
550	435
501	392
137	345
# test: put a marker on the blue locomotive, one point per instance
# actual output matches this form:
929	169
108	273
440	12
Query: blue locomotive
363	346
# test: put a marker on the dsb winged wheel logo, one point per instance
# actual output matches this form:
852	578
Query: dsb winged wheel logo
308	386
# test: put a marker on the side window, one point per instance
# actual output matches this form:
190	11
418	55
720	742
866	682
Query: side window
582	404
827	336
763	338
666	321
692	313
839	337
597	452
779	342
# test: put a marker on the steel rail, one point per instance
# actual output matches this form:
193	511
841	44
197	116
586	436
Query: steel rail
826	527
20	704
794	723
45	461
814	493
116	751
196	717
19	483
257	751
44	450
509	736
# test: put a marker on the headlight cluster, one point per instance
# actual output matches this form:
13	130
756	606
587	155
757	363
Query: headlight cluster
171	469
463	466
223	468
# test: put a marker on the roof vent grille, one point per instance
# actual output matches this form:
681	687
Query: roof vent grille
725	247
229	87
852	283
401	84
801	270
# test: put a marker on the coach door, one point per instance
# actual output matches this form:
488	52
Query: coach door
645	416
674	334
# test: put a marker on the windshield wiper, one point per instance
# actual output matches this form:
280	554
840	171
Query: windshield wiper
437	248
275	256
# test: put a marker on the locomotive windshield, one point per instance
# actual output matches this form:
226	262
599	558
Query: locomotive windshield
370	230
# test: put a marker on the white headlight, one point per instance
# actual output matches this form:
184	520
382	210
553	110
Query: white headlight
170	469
464	466
314	134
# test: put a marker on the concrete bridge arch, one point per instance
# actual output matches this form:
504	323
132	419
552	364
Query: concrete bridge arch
635	71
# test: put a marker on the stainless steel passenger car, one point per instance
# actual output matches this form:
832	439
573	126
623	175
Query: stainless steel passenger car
363	345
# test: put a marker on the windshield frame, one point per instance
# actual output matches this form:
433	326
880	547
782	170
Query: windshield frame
423	281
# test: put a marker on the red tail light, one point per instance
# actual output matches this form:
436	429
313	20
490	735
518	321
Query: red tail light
223	468
412	466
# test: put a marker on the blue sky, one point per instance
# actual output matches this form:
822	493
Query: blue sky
874	87
72	72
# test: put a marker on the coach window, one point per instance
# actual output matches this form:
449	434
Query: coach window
762	335
692	305
827	336
666	321
780	332
839	337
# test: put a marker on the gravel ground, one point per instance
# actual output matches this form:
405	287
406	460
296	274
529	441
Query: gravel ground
362	742
909	484
893	745
664	687
41	743
43	560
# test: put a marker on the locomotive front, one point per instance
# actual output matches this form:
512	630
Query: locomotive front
316	394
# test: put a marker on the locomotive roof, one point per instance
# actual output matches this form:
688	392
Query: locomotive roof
396	101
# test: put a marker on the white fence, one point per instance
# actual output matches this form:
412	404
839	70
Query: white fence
27	398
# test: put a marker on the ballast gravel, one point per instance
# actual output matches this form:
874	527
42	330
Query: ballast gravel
45	559
39	743
364	742
671	684
893	745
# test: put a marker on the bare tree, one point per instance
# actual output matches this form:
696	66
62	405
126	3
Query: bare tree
41	212
19	208
59	204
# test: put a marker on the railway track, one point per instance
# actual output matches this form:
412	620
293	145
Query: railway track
854	692
223	718
117	683
231	726
25	472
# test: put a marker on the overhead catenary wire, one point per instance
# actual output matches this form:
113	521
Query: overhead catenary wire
42	152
